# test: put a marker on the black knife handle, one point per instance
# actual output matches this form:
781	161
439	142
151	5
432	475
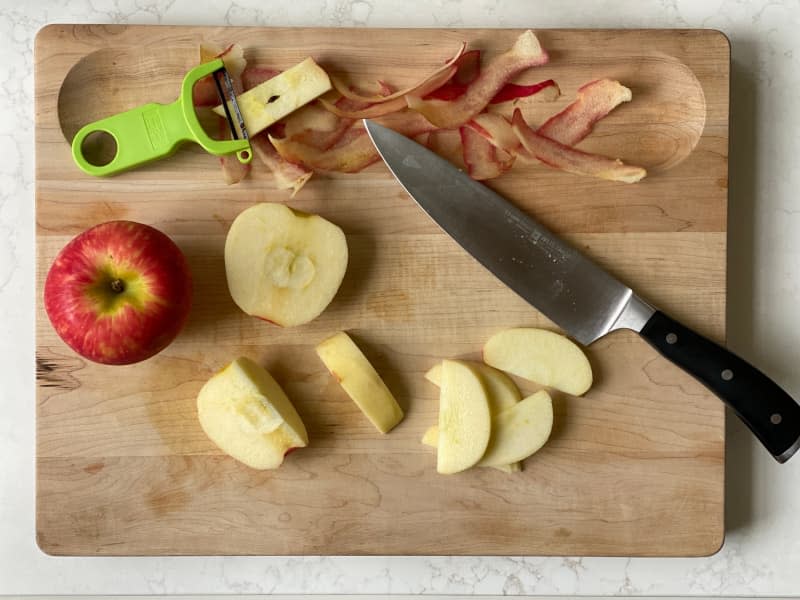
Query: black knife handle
771	414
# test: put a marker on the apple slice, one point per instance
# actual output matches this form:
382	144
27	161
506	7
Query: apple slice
431	436
541	356
525	53
360	380
519	431
569	159
464	418
283	265
502	392
247	415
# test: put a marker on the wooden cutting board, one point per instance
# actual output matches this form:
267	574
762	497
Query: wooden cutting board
633	468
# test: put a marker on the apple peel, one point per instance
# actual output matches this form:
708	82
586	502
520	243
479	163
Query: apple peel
347	92
468	69
526	52
288	176
496	129
545	91
205	91
594	101
483	160
353	152
565	158
389	106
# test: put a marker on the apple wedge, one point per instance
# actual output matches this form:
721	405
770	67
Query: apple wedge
464	418
502	392
541	356
360	380
282	265
431	436
519	431
247	415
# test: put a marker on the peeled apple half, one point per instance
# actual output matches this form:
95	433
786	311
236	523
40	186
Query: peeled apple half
284	266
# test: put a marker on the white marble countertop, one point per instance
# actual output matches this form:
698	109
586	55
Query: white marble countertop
761	554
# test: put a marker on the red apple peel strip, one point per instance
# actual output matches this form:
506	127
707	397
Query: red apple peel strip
546	91
497	131
288	176
353	152
483	160
345	90
594	101
390	106
559	156
468	69
526	52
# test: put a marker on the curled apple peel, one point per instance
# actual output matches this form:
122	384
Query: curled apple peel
569	159
350	154
288	176
594	101
526	52
346	91
483	160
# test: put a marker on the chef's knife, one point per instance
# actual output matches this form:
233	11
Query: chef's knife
574	292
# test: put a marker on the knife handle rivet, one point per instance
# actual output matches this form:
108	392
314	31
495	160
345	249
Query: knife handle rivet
775	419
727	375
672	338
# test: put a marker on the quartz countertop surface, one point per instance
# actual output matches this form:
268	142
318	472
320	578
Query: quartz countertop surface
761	553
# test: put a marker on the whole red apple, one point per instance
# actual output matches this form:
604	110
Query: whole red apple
119	292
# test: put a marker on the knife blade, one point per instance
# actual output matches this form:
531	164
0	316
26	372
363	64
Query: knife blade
574	292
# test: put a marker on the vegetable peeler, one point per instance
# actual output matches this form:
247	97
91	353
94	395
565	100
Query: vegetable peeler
154	131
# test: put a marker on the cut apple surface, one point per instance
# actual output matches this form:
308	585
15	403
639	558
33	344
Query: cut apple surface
360	380
502	392
282	265
272	100
541	356
464	418
519	431
244	411
431	436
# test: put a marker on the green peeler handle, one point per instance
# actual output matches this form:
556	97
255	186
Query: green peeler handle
154	131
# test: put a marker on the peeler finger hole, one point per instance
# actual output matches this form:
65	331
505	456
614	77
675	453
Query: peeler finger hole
99	148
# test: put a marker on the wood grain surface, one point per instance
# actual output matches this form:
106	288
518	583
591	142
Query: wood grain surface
633	468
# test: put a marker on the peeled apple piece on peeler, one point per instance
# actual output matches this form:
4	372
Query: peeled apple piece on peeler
272	100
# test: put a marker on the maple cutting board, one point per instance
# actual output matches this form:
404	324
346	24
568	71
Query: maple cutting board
633	468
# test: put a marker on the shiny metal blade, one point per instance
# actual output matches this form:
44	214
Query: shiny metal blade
570	289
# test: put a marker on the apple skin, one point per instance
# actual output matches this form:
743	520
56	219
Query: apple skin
118	293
